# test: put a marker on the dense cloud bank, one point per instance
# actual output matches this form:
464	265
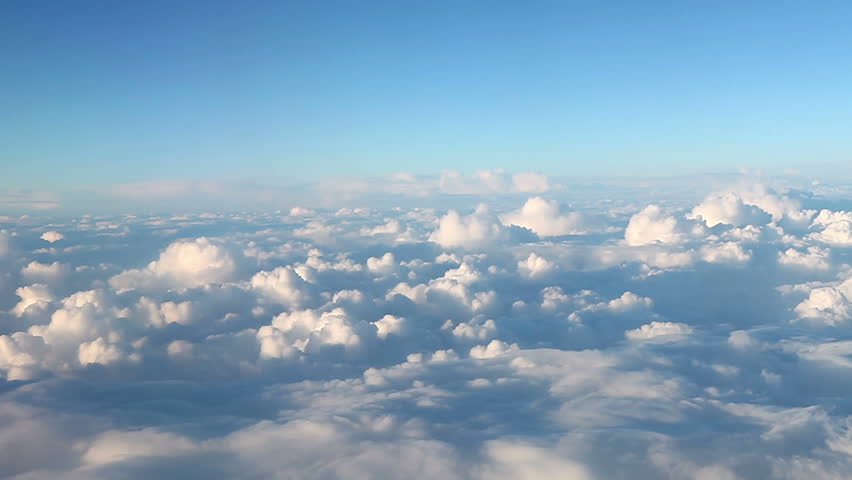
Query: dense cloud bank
530	341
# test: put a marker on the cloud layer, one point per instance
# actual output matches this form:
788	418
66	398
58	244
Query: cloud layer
526	338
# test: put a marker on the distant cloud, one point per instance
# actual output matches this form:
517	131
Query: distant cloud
25	199
492	181
52	236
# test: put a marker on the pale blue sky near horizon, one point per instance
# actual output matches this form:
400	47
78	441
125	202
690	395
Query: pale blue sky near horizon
102	92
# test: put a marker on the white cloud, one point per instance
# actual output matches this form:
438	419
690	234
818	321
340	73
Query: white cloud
116	446
390	324
184	263
728	208
813	258
416	293
98	351
476	330
301	212
520	461
530	182
32	295
161	314
535	266
492	181
651	225
658	329
827	305
52	236
307	331
391	226
777	205
44	272
478	229
20	355
727	252
741	340
282	285
834	228
627	301
493	349
382	265
545	218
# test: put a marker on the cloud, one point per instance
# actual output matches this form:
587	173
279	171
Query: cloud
658	329
118	446
52	236
535	266
291	333
400	341
492	181
492	349
813	258
382	265
524	461
19	354
530	182
545	218
478	229
43	272
828	305
834	228
4	244
449	183
36	295
282	285
726	252
300	212
651	225
728	208
22	199
183	264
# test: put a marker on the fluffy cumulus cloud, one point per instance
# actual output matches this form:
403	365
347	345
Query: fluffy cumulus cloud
477	229
546	218
44	272
725	252
813	257
831	304
833	227
752	204
52	236
683	337
281	285
36	295
653	225
184	263
728	208
657	330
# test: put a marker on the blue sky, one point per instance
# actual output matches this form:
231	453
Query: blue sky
100	93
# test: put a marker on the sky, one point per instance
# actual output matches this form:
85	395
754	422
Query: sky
103	93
